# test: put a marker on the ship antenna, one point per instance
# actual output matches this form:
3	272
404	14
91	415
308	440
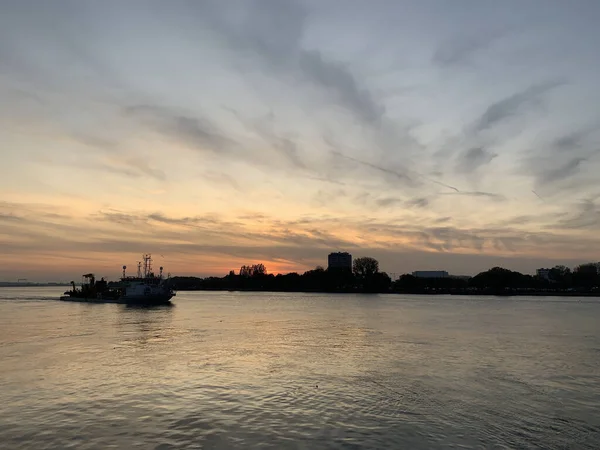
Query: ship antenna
147	265
124	269
139	274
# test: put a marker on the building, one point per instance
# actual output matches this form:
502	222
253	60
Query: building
339	260
430	274
544	274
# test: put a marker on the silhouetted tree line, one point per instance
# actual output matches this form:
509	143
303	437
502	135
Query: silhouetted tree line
366	277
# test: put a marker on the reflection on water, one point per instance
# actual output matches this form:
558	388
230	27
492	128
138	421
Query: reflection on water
233	370
144	325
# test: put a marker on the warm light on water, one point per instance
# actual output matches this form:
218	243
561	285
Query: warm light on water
265	370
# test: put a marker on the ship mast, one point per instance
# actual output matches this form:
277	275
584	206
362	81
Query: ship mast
147	265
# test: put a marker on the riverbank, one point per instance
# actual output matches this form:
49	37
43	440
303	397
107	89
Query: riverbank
16	284
469	292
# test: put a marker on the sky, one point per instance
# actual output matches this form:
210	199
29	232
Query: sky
431	135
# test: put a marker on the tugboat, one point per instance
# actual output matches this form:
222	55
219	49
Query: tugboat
144	289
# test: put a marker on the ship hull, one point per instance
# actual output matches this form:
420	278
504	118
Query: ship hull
146	300
125	300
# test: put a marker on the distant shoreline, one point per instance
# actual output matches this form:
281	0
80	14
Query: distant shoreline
470	293
8	284
434	293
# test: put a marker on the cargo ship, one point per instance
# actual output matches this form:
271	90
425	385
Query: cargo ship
144	289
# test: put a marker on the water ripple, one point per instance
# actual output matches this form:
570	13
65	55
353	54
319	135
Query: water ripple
298	371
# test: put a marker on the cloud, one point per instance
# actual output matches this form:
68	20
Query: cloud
271	33
328	197
484	194
418	202
158	217
10	217
396	174
203	135
305	240
144	167
335	77
264	127
130	167
291	72
563	164
571	141
389	201
199	221
409	177
253	216
586	216
491	195
325	180
103	167
503	109
98	142
565	170
289	148
459	50
198	133
222	178
472	159
119	217
447	238
518	220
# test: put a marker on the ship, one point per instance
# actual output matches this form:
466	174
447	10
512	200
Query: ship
144	289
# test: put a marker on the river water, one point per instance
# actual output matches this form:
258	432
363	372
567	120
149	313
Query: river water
229	370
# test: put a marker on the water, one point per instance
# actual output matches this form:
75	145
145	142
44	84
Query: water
260	370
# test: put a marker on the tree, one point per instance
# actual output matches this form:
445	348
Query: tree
586	276
380	282
559	274
365	267
589	268
339	279
410	283
499	278
258	270
245	271
253	271
315	280
407	282
366	271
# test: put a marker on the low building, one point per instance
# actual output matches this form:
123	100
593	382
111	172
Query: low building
339	260
430	274
544	274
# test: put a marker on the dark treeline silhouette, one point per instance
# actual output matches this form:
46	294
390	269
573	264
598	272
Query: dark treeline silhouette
366	277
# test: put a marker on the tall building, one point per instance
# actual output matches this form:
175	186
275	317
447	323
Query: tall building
339	260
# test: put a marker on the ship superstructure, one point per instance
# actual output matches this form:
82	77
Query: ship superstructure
145	288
